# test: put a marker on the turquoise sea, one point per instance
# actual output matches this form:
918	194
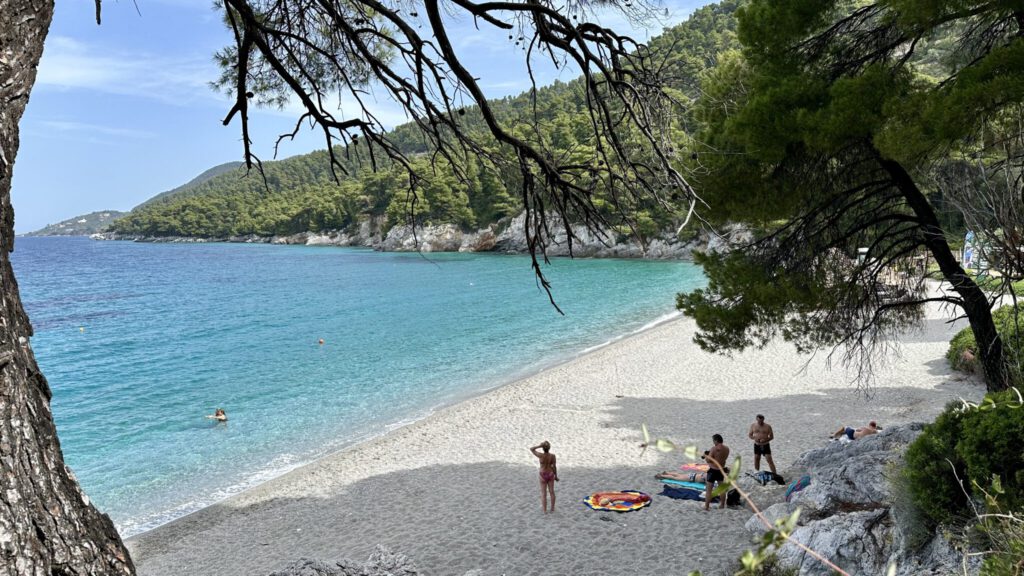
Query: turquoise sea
140	341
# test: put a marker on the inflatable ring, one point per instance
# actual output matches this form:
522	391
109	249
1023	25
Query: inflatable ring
621	501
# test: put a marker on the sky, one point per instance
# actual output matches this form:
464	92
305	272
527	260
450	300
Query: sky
123	111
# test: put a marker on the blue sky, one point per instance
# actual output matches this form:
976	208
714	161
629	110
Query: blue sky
122	111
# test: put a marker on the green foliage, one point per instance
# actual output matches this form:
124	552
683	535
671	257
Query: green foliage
991	446
1005	552
1009	323
962	351
933	468
301	194
969	451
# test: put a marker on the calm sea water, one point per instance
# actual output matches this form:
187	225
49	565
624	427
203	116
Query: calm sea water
139	341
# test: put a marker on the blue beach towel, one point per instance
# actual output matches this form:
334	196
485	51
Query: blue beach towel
680	493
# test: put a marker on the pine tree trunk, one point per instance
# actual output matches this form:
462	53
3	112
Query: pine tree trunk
47	525
975	302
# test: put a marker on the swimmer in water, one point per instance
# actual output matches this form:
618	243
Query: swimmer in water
218	415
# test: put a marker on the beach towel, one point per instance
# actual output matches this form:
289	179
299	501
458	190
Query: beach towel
732	497
681	493
763	477
682	483
798	485
694	467
620	501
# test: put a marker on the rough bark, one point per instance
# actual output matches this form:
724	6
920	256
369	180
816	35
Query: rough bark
47	525
973	299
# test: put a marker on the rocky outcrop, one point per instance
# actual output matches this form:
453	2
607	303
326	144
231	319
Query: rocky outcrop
848	513
507	237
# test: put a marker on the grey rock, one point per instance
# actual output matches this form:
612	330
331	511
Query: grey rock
834	453
848	516
857	482
772	514
382	562
857	542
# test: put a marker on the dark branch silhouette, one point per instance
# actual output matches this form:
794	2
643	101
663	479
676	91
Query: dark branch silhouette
317	51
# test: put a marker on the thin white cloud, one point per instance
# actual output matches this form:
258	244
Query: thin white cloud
68	64
84	127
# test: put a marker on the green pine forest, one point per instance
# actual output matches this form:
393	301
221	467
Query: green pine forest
301	194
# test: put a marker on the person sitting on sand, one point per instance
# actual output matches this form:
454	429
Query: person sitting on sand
762	435
548	474
717	456
854	434
218	415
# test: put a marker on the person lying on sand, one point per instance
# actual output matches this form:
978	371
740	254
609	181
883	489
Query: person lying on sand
854	434
218	415
548	474
694	476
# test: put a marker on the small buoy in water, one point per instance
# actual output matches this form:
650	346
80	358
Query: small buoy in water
81	328
321	341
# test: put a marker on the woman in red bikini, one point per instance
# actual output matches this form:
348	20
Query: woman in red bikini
548	474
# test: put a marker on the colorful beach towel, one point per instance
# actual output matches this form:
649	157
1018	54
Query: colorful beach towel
694	467
798	485
621	501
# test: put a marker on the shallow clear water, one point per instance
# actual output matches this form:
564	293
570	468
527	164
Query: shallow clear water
140	341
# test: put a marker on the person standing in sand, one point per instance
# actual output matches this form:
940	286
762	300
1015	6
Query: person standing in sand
762	435
548	474
716	457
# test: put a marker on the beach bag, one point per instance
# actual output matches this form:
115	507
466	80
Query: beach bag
732	498
763	477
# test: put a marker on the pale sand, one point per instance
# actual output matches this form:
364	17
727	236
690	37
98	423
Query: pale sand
459	491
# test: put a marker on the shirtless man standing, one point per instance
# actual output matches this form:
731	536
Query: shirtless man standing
548	474
762	435
716	458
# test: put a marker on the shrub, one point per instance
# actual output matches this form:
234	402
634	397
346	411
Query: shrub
973	445
1010	325
963	342
931	478
992	444
1006	546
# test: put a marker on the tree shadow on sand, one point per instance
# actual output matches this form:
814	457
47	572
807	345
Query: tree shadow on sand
486	515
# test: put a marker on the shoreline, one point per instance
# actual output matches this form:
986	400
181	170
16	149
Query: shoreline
461	475
454	400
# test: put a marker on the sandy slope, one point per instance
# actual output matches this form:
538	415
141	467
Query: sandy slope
458	491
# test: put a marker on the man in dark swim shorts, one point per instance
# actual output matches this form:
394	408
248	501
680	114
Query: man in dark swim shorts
716	457
762	434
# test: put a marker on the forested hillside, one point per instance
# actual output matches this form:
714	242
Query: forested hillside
83	225
300	194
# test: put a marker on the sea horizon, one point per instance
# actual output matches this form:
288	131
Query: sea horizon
109	345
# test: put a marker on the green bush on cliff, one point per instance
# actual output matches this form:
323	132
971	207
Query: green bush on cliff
966	452
991	445
1010	325
933	468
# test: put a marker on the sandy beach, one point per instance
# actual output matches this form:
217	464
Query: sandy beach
458	491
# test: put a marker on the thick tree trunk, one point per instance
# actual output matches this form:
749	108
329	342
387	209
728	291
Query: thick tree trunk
975	302
47	525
